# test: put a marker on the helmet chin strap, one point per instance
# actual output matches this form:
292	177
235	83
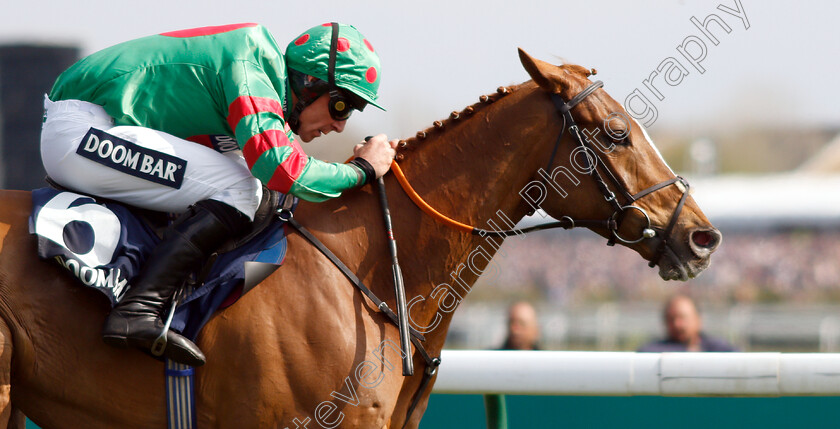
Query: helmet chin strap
294	116
303	94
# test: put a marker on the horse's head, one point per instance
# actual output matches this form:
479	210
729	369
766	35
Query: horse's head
641	203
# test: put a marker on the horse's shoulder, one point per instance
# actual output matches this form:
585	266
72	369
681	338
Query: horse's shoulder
15	196
15	206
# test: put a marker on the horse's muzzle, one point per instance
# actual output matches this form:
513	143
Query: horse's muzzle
687	258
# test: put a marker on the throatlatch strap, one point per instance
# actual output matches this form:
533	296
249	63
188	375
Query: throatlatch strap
180	396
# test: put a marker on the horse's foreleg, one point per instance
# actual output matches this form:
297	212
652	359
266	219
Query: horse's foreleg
9	417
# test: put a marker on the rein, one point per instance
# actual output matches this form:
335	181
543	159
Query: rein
612	223
565	222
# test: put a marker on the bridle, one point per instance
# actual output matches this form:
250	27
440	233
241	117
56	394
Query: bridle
612	223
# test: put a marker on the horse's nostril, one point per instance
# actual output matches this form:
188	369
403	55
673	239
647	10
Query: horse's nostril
705	239
702	238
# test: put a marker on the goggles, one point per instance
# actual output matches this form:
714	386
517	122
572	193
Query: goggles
341	105
342	102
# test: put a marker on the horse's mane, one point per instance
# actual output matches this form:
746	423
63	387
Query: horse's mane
454	117
483	101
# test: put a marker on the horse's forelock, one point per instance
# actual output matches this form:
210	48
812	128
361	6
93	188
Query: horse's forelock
574	79
577	69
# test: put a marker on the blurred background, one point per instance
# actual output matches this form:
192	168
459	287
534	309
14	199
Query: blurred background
756	134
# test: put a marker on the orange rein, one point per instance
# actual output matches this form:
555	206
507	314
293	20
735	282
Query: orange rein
418	200
422	204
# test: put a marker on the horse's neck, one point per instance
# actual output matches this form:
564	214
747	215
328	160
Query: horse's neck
472	167
472	171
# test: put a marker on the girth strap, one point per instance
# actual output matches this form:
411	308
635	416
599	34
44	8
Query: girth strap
180	396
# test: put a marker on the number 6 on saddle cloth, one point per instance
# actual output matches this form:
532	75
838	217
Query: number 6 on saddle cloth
104	244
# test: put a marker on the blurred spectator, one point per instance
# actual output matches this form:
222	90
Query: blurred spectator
523	328
684	328
569	269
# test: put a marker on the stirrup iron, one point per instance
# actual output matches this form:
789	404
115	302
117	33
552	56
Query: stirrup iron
159	345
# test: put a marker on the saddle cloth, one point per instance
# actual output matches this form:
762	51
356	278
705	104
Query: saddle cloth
104	244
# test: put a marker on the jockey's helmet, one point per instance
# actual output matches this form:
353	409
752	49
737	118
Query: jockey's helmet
340	58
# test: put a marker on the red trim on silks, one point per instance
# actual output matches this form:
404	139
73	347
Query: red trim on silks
342	45
234	296
203	140
370	75
289	171
264	141
207	31
247	105
302	39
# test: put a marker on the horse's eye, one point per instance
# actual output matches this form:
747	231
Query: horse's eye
620	138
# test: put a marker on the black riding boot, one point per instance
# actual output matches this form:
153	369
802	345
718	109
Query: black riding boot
137	320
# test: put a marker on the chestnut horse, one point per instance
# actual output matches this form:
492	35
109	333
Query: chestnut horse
305	348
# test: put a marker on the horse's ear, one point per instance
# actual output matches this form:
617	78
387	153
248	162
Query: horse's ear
543	73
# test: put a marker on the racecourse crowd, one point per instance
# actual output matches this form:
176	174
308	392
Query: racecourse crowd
570	268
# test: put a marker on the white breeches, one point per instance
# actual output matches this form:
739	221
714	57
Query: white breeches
139	177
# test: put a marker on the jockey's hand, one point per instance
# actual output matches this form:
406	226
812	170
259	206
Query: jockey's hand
377	151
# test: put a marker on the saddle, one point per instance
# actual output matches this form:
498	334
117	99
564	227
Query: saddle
76	224
271	203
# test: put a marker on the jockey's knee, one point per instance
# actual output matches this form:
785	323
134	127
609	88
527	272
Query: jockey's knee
232	218
244	196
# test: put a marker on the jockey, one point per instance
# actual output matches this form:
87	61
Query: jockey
195	122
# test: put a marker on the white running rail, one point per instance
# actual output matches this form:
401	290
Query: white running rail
630	374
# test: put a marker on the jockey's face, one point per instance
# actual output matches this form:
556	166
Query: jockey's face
315	120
